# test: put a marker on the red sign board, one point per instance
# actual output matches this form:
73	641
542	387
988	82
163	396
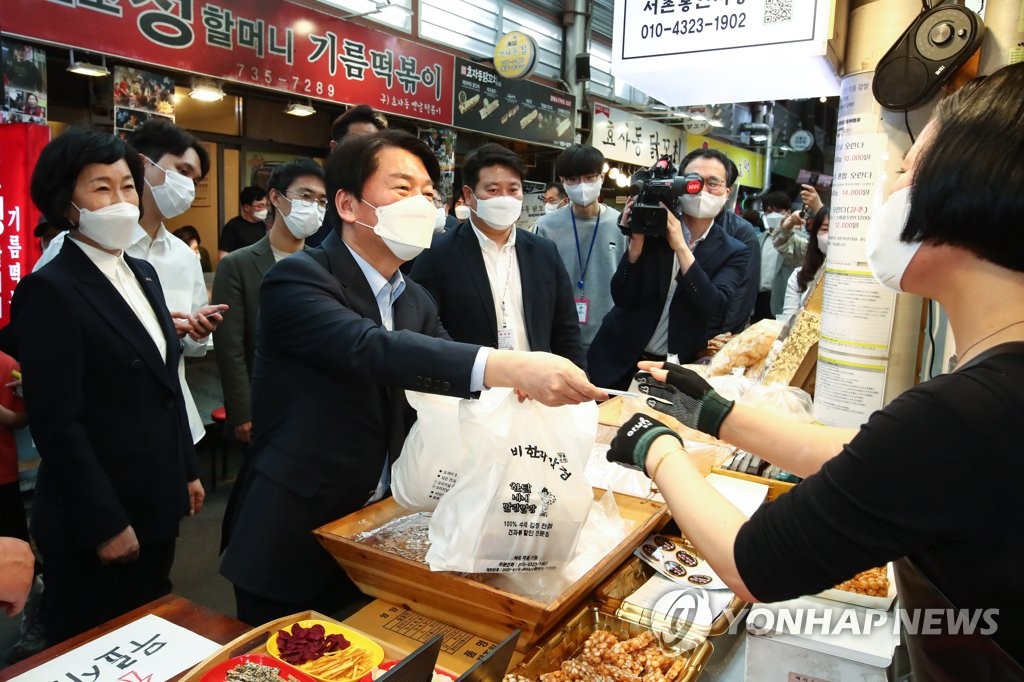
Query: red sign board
264	43
19	249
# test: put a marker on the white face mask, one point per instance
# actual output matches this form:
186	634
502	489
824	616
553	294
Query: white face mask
703	205
888	257
175	196
499	212
406	226
772	220
551	208
305	218
260	215
440	220
823	242
112	227
462	212
584	193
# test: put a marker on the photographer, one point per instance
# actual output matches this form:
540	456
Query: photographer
672	293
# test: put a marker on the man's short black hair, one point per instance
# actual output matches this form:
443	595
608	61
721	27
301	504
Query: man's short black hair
357	158
250	195
158	136
284	175
485	156
62	161
558	186
777	200
579	160
361	113
968	186
731	171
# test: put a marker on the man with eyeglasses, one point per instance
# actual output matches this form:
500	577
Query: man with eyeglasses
174	162
587	236
672	293
298	202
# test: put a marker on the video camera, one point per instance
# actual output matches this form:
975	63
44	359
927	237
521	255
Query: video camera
657	185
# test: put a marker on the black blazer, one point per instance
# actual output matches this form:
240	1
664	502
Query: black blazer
107	414
327	398
453	271
639	289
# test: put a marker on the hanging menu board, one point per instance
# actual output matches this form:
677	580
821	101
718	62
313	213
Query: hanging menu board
515	109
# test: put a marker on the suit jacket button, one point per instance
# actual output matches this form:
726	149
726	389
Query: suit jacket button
135	365
170	404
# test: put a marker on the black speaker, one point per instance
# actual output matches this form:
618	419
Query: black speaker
583	67
928	53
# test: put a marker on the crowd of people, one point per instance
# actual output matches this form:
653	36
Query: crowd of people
316	344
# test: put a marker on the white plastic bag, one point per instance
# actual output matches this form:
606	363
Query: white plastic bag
522	503
433	455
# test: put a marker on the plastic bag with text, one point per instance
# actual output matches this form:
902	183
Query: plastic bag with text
523	502
433	455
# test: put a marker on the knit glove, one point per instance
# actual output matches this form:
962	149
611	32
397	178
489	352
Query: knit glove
686	396
630	445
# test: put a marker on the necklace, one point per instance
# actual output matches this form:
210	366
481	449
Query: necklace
956	358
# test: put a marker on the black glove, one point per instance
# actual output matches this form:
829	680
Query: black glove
687	397
630	445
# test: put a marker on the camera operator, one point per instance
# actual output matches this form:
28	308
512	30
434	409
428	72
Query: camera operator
673	293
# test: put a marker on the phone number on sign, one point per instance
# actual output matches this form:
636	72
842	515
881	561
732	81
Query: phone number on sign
303	85
723	22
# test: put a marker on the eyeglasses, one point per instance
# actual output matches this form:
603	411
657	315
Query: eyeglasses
581	178
714	183
438	202
309	197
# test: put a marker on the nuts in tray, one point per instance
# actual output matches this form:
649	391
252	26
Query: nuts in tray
873	582
254	672
606	657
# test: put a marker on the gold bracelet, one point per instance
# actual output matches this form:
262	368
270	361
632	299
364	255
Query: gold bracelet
662	460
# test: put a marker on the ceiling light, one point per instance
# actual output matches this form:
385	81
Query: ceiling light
604	167
206	90
622	180
300	109
613	173
823	99
379	6
88	68
715	122
758	137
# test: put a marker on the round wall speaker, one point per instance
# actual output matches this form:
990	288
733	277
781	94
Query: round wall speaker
929	52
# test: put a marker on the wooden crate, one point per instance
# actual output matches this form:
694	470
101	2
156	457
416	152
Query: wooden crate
775	487
462	601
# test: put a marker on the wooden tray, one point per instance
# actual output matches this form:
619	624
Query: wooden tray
568	639
775	487
255	642
634	573
467	603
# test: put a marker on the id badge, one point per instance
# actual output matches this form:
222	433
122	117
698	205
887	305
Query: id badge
583	309
505	339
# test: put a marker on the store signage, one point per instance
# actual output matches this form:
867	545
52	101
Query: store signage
519	110
707	39
627	138
749	163
801	140
515	55
263	43
19	249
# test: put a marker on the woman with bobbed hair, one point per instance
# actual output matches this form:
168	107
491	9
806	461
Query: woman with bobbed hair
99	356
932	482
800	280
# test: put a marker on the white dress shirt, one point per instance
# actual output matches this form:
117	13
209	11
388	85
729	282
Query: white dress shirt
506	286
184	288
121	276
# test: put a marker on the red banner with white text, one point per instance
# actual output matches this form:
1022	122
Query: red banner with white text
264	43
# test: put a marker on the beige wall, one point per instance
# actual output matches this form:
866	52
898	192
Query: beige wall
203	214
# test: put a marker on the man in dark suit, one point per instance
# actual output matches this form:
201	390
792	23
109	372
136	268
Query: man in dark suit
99	355
341	333
495	285
673	293
297	201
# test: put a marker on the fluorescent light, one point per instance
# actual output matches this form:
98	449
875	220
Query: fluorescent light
715	122
300	109
758	137
206	91
88	68
379	6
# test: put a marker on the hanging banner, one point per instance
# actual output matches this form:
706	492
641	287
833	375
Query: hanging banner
19	249
138	96
263	43
518	110
749	163
622	136
24	70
